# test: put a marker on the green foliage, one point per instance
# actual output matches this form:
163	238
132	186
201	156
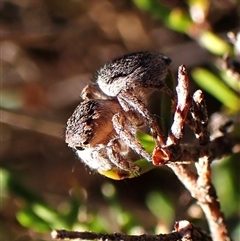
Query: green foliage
180	20
36	214
175	19
213	43
146	141
216	87
162	207
226	180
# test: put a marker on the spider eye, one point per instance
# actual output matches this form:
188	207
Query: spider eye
79	148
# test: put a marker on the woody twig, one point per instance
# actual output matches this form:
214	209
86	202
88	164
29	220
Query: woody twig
193	112
199	184
183	231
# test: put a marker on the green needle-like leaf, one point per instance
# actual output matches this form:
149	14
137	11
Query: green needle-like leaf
216	87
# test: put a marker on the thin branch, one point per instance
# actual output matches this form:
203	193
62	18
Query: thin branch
63	234
183	230
182	108
207	199
218	148
172	150
193	112
198	118
210	204
199	185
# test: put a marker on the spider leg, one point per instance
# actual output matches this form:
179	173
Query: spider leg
127	132
114	150
129	101
162	87
92	91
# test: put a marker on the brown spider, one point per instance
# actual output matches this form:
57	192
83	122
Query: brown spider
104	126
90	131
131	79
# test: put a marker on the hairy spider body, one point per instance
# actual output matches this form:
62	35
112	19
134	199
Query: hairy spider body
91	132
138	71
103	127
83	126
131	79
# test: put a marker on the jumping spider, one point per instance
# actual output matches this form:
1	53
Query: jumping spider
90	131
103	127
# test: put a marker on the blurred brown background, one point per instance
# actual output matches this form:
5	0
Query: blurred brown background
49	51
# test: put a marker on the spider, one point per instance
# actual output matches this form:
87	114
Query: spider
90	131
131	79
103	127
